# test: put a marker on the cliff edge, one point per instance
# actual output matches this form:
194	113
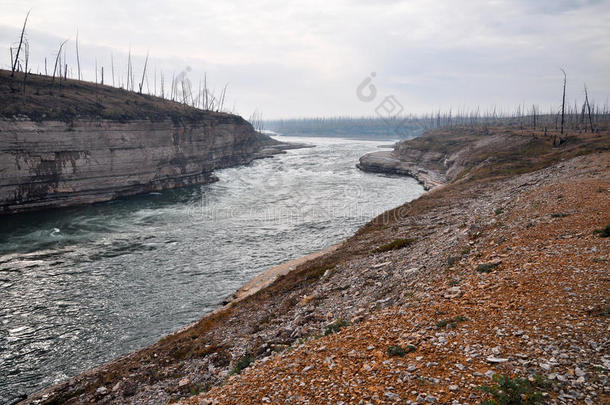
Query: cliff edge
69	142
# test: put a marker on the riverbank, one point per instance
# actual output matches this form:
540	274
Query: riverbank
397	281
66	143
520	291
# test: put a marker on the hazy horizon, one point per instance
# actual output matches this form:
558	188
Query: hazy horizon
293	60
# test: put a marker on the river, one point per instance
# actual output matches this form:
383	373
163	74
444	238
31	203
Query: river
82	286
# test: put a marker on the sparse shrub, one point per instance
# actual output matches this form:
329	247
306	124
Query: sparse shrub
243	363
454	283
335	327
498	211
400	351
486	267
604	233
396	244
452	322
452	260
512	391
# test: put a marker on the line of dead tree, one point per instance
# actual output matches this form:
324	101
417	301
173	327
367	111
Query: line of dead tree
179	89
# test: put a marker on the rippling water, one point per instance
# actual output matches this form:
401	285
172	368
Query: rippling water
81	286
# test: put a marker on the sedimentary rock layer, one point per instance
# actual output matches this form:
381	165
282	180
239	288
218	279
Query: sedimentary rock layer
50	164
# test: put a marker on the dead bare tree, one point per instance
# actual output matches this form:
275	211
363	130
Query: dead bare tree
143	74
77	57
20	44
112	68
563	101
57	60
26	52
221	102
589	109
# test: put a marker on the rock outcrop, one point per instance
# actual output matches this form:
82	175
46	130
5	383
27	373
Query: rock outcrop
52	163
392	163
446	155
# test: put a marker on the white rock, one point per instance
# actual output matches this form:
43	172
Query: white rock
492	359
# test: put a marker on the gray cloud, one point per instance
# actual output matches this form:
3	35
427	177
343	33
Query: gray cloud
306	58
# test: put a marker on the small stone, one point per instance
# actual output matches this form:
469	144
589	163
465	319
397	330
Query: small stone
391	396
184	381
411	368
453	388
545	366
430	399
492	359
101	391
579	372
306	369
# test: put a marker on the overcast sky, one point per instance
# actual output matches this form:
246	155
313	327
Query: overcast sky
300	59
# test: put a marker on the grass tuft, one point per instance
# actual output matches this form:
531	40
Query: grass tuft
400	351
394	245
513	391
335	327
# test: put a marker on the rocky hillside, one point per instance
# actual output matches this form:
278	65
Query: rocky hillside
67	143
501	272
456	154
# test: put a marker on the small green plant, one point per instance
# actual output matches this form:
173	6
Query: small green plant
454	283
243	363
400	351
452	322
512	391
604	233
396	244
486	267
335	327
498	211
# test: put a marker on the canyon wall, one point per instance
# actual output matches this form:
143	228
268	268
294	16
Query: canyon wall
49	164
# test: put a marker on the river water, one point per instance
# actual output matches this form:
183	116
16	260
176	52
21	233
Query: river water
81	286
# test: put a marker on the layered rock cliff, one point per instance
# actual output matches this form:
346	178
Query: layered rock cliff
74	154
55	164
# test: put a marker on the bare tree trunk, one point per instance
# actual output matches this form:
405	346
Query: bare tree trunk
128	69
589	108
112	68
26	51
143	73
563	102
20	44
57	58
77	57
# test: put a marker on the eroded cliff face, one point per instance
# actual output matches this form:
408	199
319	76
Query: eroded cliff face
52	164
